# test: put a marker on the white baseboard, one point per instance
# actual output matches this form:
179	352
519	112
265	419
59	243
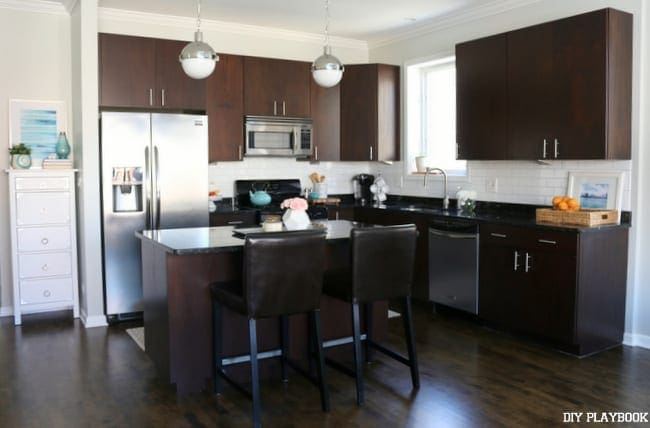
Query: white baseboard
92	321
6	311
640	340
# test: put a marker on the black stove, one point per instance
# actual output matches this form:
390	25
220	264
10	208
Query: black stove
279	190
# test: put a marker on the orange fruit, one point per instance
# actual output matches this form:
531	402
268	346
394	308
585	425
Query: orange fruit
573	205
563	206
556	200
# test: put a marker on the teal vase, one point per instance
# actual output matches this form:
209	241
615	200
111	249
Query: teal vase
62	148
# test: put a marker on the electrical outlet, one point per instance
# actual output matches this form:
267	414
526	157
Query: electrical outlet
492	185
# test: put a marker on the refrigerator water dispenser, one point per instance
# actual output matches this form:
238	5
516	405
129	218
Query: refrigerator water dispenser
127	189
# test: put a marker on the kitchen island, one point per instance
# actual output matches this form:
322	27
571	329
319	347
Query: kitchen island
177	267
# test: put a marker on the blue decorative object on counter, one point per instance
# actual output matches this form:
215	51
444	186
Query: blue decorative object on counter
62	148
259	198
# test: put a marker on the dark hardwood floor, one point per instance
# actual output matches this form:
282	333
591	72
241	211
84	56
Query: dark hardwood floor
55	373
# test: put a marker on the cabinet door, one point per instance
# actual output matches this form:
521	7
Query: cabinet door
127	71
388	113
531	100
359	113
225	109
274	87
174	88
326	116
498	283
481	92
580	62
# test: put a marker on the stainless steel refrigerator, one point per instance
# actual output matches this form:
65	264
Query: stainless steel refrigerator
154	176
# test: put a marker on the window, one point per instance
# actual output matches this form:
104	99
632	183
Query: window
431	115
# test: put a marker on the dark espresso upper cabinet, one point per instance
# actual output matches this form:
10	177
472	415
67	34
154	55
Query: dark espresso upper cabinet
143	72
276	87
370	106
481	126
225	109
567	91
325	104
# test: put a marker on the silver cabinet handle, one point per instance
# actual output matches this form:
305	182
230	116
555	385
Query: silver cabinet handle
544	149
44	268
150	96
235	222
275	108
316	152
162	96
284	108
547	241
527	265
47	293
337	215
370	152
499	235
45	241
556	145
516	265
240	153
457	149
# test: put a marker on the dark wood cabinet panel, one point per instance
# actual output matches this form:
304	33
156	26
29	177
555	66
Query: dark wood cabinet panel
326	115
568	90
143	72
370	105
127	68
225	109
566	287
481	127
235	218
335	212
175	88
274	87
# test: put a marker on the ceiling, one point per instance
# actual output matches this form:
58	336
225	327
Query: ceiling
368	20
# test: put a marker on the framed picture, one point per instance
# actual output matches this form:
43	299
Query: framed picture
597	190
37	125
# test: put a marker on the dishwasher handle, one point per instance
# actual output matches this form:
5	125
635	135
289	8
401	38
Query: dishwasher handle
452	235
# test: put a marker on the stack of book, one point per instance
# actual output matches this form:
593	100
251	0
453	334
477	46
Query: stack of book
57	163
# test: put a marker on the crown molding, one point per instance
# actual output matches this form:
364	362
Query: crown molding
41	6
451	20
227	27
69	5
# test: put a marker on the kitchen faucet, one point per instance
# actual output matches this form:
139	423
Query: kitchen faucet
445	199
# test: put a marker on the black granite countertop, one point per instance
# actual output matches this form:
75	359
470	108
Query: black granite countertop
198	240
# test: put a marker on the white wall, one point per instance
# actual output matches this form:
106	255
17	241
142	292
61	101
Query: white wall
527	182
35	65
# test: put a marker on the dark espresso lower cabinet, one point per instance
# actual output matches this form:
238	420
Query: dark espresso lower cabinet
566	287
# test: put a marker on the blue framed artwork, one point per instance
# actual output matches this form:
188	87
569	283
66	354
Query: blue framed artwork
37	125
597	190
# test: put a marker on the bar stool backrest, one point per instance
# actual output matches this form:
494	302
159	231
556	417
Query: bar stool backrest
382	262
283	272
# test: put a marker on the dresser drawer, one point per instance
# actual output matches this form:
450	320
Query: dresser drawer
42	183
42	208
43	238
35	265
45	290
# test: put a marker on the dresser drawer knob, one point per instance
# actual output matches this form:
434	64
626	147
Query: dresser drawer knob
47	293
45	241
44	268
43	210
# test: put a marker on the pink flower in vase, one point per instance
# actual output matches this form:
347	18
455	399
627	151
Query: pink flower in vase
296	204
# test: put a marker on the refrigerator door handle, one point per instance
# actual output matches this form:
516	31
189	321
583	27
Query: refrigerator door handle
147	189
157	178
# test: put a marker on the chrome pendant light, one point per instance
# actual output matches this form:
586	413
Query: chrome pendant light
198	58
327	70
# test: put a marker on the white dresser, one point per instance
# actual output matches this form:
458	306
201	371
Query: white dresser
43	241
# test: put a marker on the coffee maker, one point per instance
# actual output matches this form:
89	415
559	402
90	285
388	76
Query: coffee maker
361	186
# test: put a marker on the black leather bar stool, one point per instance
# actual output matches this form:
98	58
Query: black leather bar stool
282	275
381	268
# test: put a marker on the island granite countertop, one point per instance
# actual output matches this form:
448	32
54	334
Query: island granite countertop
198	240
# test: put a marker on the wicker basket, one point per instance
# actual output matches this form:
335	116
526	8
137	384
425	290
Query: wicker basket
586	218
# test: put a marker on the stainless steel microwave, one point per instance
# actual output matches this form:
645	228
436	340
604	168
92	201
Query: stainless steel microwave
278	136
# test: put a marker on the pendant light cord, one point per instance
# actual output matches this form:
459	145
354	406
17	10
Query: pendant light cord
327	22
198	14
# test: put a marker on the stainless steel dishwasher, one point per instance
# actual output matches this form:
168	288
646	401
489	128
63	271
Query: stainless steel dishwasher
453	263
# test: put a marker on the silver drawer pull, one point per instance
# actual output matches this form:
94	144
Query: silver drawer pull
43	210
47	293
547	241
499	235
236	222
44	268
516	265
45	241
527	266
